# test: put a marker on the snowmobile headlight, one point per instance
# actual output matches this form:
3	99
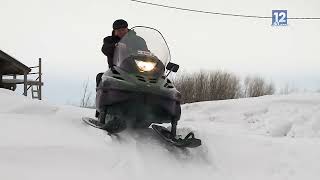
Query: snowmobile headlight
145	66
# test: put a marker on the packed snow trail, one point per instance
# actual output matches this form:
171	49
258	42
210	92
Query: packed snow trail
271	137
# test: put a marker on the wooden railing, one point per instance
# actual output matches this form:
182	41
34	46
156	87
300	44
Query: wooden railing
39	78
27	83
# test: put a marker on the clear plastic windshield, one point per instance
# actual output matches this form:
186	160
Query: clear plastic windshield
142	41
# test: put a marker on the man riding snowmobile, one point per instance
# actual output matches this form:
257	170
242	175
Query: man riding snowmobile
120	29
136	92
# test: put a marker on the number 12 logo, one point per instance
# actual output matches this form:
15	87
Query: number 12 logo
279	18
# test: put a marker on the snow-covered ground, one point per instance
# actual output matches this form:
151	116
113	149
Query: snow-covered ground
271	137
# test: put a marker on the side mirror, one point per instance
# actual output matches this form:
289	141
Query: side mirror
172	67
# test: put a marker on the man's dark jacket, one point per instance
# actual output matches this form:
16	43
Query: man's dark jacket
109	44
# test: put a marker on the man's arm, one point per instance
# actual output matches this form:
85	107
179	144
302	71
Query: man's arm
108	49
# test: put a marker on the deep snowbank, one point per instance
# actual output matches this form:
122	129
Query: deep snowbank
292	115
272	137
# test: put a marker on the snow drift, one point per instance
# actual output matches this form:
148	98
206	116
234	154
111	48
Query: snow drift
271	137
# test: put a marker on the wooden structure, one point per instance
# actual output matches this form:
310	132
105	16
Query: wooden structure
10	67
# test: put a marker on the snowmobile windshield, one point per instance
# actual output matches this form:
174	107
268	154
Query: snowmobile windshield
144	48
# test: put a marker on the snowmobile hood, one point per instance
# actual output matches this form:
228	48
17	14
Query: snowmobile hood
142	50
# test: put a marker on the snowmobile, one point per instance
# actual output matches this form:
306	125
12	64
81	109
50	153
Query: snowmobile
137	93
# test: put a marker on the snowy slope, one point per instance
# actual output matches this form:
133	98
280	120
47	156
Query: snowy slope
271	137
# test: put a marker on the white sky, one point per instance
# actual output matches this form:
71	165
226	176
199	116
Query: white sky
68	35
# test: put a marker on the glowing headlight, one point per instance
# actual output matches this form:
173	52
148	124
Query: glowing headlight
145	66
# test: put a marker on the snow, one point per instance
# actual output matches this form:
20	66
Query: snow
270	137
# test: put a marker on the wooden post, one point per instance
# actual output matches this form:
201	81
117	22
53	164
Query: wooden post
25	78
40	80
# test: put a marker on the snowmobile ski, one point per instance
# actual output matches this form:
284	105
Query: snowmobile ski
189	141
111	127
93	122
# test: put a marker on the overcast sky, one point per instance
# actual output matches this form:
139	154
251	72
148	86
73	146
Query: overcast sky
68	35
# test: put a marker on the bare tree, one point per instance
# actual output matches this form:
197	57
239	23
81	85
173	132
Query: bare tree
288	89
86	95
223	85
285	90
270	89
207	86
200	86
185	84
257	86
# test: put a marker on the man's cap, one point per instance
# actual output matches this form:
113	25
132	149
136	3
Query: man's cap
120	23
